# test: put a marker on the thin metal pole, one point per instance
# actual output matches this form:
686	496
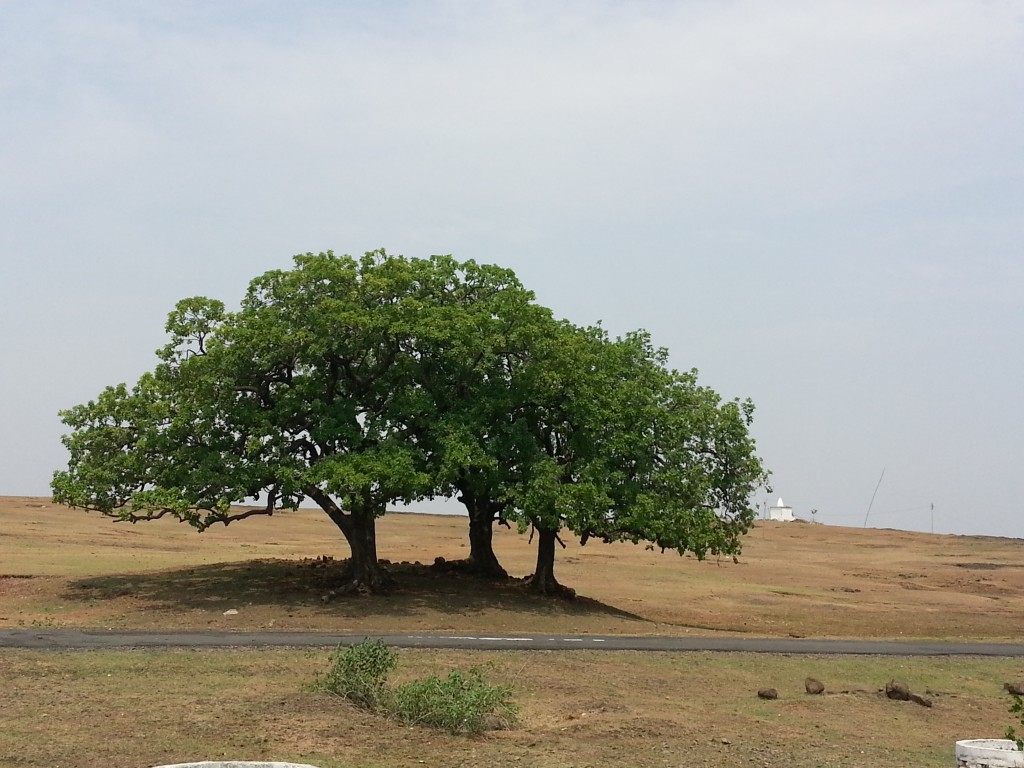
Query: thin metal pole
873	497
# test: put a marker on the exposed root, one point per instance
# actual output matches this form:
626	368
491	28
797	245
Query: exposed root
345	581
549	587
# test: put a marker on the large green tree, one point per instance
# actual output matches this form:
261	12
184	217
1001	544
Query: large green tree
305	392
473	363
616	445
359	383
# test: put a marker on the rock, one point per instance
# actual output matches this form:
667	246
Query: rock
767	693
897	690
814	686
924	701
1017	688
231	612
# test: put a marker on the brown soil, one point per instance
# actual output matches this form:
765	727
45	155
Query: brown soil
96	709
62	567
134	709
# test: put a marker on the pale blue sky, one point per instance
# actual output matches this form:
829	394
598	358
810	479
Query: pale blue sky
820	205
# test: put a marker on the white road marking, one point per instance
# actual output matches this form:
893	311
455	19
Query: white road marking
506	639
473	637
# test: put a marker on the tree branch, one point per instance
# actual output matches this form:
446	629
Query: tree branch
328	505
131	517
268	510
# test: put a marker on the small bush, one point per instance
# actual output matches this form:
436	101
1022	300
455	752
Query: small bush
1016	708
462	703
359	673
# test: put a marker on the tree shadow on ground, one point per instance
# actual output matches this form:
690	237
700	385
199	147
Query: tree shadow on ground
417	589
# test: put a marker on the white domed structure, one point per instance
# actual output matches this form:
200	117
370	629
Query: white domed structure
781	512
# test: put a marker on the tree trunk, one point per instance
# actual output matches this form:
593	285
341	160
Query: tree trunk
482	560
360	530
543	578
366	573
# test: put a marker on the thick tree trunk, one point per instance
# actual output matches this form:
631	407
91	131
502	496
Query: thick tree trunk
359	527
482	560
543	578
366	573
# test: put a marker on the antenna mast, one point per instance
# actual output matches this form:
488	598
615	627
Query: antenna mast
873	498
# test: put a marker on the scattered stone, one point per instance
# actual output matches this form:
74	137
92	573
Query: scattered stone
1017	688
767	693
231	612
897	690
322	561
814	686
924	701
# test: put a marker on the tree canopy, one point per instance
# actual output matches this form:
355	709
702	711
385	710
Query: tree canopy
360	383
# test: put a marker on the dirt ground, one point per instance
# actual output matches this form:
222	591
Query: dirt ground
143	708
63	567
126	709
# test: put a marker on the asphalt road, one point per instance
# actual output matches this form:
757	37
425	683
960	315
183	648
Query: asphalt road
73	639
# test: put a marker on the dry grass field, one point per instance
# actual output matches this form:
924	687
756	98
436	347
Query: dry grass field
62	567
135	709
131	709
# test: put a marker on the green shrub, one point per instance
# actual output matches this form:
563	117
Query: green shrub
462	703
359	673
1016	708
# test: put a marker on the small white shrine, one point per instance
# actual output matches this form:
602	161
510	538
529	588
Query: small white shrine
781	512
